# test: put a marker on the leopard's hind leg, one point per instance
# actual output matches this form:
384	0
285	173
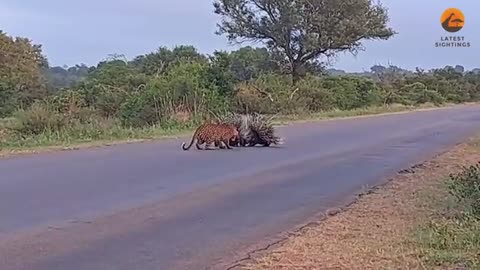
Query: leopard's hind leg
199	143
226	142
208	143
219	145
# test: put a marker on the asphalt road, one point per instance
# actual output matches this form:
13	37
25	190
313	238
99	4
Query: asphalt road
153	206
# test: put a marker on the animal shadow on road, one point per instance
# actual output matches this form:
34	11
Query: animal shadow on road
245	148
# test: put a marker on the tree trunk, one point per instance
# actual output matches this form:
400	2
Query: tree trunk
295	78
298	70
295	74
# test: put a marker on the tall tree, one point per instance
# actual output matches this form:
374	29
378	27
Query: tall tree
303	30
21	73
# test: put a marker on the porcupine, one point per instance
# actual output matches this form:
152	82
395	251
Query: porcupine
254	129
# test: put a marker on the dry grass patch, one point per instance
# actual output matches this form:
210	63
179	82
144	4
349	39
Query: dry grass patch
376	231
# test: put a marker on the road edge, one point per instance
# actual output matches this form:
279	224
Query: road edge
343	206
280	123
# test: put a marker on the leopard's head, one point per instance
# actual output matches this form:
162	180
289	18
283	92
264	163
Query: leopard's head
235	139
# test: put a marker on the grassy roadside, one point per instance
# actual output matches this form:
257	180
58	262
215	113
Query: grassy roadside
451	237
364	112
92	137
414	221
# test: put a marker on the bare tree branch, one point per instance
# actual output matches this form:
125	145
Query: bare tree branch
263	92
293	93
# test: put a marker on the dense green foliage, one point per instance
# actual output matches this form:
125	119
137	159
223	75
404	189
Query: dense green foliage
180	86
21	80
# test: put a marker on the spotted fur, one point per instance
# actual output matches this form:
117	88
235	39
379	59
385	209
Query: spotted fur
218	133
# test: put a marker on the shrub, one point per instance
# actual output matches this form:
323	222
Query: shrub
140	109
273	93
415	94
269	94
184	92
39	118
8	100
465	187
315	95
353	92
43	118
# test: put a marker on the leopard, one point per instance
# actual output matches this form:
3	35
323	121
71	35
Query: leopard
217	133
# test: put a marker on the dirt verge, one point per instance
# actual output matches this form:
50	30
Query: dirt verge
376	232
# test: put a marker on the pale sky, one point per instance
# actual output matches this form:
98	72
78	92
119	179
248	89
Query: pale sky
87	31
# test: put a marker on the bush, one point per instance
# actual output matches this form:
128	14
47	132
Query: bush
313	93
273	93
39	118
453	237
43	118
183	94
415	94
353	92
465	187
269	94
140	109
8	101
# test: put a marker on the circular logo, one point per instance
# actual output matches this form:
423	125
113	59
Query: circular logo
452	20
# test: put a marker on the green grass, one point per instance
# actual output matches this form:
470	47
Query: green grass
95	135
451	242
451	236
88	137
373	110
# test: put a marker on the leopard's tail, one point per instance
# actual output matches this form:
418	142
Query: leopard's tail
193	139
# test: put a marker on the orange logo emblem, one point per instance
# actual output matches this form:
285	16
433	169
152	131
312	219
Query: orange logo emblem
452	20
